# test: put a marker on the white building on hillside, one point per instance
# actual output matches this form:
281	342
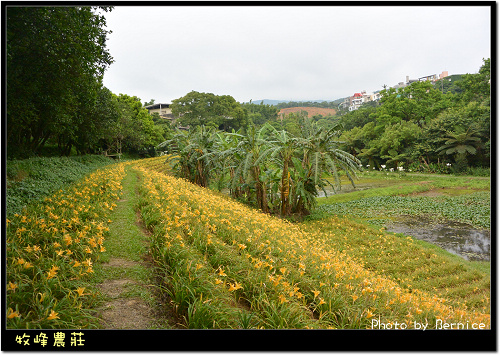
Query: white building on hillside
359	98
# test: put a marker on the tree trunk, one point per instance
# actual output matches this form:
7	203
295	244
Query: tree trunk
260	191
285	190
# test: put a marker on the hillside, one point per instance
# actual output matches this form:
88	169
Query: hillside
311	111
277	102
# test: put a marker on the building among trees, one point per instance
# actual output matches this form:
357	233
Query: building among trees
163	110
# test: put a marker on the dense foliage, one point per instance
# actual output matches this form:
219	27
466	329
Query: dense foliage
224	265
222	112
424	127
30	180
56	58
324	104
272	169
51	247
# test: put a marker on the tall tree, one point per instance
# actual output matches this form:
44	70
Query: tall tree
283	146
221	112
476	87
138	128
418	102
191	154
252	144
52	53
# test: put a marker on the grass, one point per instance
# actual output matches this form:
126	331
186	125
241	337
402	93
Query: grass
225	265
127	241
394	184
464	199
52	248
473	208
32	179
126	238
409	261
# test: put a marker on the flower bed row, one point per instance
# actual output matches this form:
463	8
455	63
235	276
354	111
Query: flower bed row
51	250
268	270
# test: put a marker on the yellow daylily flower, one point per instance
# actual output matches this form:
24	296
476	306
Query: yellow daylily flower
52	272
234	287
12	286
53	315
80	290
11	314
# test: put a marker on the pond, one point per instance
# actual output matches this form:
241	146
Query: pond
458	238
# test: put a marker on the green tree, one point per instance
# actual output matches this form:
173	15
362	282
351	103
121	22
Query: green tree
357	140
358	118
460	143
476	87
250	164
92	114
419	102
322	154
221	112
460	118
395	143
260	114
137	126
52	54
190	154
283	146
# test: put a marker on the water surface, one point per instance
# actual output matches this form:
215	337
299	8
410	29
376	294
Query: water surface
458	238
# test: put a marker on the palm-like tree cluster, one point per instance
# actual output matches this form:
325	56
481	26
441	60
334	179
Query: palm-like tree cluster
270	169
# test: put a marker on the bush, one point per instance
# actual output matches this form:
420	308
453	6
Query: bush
477	171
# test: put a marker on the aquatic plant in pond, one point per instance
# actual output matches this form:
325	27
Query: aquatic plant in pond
473	208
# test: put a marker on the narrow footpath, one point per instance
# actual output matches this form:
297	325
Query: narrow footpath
127	273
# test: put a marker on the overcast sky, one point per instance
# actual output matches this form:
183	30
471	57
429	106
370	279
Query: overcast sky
288	52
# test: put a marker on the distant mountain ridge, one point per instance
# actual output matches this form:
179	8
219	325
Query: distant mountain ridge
276	102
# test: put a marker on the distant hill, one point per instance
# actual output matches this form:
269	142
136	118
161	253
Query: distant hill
275	102
311	111
268	102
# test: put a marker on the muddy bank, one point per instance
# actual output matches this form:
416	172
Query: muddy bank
458	238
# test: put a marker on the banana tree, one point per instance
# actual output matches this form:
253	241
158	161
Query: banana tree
281	149
322	155
304	191
189	154
248	168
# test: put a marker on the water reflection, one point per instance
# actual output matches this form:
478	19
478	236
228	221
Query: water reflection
457	238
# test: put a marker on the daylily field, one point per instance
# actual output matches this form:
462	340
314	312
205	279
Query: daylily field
223	264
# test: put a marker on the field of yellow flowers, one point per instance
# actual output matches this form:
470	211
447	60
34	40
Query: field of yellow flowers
226	265
229	266
51	249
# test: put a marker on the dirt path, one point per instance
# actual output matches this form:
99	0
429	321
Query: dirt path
131	298
122	311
